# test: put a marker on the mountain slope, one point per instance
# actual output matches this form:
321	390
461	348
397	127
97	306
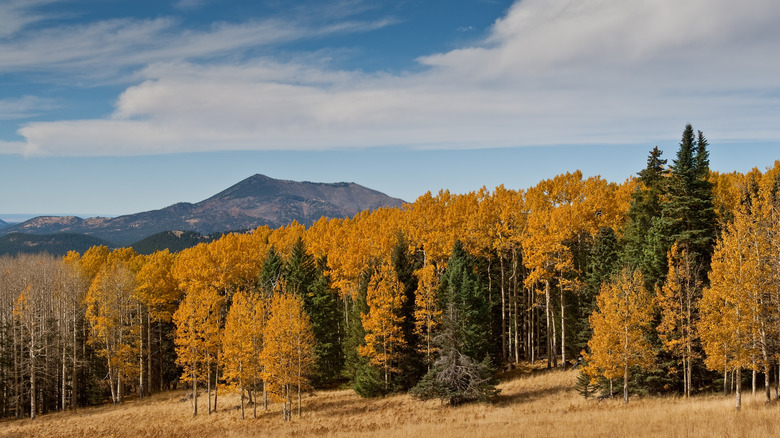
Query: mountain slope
255	201
173	241
55	244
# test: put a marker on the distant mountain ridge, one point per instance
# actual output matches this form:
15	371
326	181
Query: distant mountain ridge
253	202
54	244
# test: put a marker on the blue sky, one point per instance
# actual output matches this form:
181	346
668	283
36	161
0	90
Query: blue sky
113	107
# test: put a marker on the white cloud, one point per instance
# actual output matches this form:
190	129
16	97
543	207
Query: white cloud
550	72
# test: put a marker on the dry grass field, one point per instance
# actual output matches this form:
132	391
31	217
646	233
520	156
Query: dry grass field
532	404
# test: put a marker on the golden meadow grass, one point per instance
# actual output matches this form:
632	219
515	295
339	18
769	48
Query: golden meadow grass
531	404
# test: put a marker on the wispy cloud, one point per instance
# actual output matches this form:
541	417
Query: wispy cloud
102	49
549	72
189	4
24	107
15	15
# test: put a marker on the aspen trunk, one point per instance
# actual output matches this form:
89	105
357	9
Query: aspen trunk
755	380
563	332
149	352
241	382
216	383
515	306
194	395
208	387
503	308
625	383
33	381
17	372
64	379
766	386
74	380
739	388
140	353
114	396
550	349
160	346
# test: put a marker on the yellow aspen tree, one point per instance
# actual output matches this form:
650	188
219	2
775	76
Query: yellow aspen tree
241	343
427	313
620	328
110	313
731	308
288	354
546	255
159	294
197	336
676	302
283	239
766	236
92	260
384	333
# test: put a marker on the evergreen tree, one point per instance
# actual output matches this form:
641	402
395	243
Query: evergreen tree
602	263
305	277
364	377
411	365
461	286
688	214
271	272
639	251
458	375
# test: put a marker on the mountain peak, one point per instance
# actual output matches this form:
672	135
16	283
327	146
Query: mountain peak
253	202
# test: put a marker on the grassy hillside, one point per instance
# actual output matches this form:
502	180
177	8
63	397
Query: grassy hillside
532	404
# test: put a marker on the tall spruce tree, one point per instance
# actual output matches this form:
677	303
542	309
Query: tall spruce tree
688	214
688	220
411	363
639	251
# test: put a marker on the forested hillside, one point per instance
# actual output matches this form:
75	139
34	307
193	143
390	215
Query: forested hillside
666	283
